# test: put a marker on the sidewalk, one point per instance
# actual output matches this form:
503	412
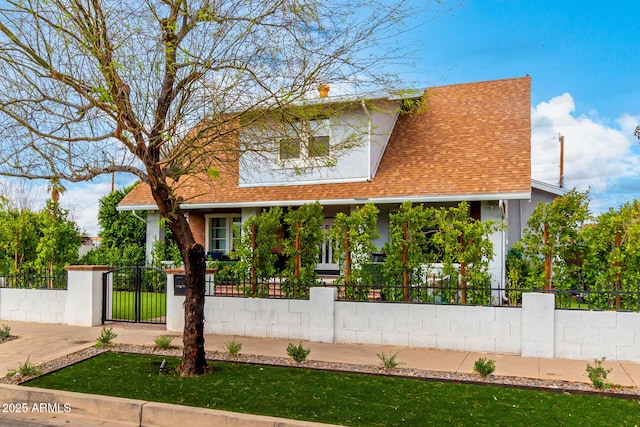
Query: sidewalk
44	342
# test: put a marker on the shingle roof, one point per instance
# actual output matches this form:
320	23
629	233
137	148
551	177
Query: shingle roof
474	139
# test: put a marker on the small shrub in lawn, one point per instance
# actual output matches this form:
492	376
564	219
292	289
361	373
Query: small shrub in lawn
26	369
106	338
233	347
163	341
598	374
5	331
390	361
484	367
297	352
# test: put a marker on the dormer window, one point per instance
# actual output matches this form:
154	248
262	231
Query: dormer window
306	139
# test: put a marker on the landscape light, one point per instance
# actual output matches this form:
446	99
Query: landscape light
162	366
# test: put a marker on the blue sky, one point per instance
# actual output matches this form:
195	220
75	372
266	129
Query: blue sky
584	60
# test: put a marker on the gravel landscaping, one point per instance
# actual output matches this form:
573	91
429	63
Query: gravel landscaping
552	385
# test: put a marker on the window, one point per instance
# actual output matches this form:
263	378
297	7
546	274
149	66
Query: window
308	139
222	230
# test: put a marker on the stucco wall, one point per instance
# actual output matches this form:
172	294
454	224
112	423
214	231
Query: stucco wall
33	305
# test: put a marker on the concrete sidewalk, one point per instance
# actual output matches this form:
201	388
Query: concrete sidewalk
44	342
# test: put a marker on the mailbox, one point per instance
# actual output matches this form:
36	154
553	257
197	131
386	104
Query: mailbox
179	285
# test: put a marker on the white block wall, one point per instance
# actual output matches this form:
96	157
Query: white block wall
463	328
596	334
33	305
536	329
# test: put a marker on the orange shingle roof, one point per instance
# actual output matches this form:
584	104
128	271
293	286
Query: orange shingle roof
473	139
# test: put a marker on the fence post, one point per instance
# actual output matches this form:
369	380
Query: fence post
84	294
322	314
538	325
175	309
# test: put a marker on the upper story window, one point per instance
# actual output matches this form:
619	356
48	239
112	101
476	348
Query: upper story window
306	139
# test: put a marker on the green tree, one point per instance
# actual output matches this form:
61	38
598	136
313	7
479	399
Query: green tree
156	88
611	257
58	243
352	238
466	242
302	247
554	237
19	234
255	250
123	234
407	249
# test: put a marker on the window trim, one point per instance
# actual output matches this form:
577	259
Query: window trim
324	127
229	230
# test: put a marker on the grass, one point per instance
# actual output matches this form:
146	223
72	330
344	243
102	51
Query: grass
152	305
336	397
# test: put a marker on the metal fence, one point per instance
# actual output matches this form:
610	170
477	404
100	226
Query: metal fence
234	285
435	290
34	280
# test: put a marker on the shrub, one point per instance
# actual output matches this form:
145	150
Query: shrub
484	367
233	347
163	341
105	338
5	331
390	361
298	353
26	369
598	374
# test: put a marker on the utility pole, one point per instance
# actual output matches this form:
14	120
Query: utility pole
561	182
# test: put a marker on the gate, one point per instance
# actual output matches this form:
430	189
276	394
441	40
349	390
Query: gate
134	294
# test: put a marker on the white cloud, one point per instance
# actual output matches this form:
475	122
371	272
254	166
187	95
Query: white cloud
596	155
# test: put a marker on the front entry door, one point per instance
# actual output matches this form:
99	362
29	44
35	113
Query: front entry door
326	263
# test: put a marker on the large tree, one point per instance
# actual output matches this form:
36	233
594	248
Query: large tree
158	88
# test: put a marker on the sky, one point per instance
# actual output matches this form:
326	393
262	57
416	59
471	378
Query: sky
584	60
583	57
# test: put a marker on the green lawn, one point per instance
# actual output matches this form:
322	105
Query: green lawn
152	305
337	397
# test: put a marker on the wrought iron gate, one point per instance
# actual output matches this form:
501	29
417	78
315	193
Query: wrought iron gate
134	294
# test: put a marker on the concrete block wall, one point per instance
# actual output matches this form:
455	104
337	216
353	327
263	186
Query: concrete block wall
536	329
596	334
33	305
463	328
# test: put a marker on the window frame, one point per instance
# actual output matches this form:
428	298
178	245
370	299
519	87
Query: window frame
304	132
229	229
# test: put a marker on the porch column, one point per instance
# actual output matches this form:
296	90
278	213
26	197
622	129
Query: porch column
155	233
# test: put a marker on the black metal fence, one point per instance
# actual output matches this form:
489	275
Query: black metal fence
434	290
229	284
34	280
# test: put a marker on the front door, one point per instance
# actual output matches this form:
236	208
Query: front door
326	263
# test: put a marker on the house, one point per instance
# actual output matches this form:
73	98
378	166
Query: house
472	142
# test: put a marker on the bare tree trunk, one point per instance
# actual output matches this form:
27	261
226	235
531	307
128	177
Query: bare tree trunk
193	255
193	356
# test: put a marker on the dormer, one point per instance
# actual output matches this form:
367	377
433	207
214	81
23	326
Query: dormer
322	140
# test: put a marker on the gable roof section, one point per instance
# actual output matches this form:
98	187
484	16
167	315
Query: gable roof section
473	142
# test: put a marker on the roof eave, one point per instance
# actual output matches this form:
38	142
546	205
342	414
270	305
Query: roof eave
446	198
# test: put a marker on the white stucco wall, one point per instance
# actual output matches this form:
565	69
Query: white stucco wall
33	305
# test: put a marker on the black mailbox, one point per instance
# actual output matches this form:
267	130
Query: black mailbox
179	285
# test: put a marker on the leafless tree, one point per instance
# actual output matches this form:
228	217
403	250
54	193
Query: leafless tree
160	89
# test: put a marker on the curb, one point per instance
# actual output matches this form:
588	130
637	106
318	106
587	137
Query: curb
31	403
